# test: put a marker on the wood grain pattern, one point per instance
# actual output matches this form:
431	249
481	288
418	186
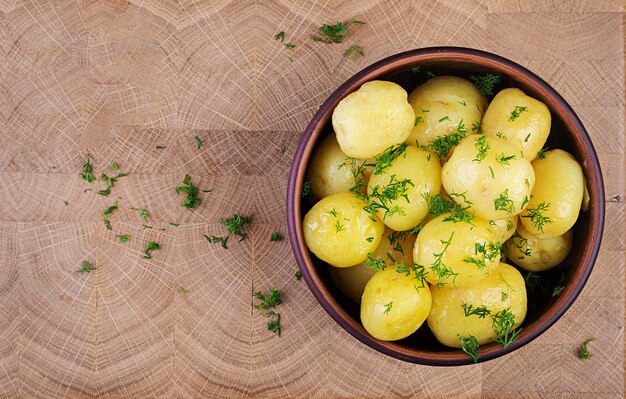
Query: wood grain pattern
117	78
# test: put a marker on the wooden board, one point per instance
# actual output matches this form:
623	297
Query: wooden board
116	78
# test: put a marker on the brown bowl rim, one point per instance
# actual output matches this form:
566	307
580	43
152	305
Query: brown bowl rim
410	58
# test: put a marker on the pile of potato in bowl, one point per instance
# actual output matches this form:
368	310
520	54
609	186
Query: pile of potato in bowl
435	209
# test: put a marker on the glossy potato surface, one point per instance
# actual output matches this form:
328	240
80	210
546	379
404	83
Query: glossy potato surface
460	265
423	171
441	104
394	245
330	170
528	131
338	230
392	308
492	174
503	289
373	118
536	255
557	196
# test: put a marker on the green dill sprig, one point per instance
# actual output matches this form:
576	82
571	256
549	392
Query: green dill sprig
265	307
85	267
470	346
482	146
335	33
459	213
374	264
276	236
542	153
438	267
503	324
583	351
380	198
438	205
503	203
485	83
386	159
199	142
505	160
106	215
234	225
477	127
487	252
151	246
143	213
516	112
388	308
298	275
536	215
88	175
480	311
354	51
306	189
191	200
123	238
280	36
183	290
442	145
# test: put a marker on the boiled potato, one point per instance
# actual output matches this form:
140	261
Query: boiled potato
456	254
421	171
441	105
393	306
340	232
522	120
330	170
373	118
504	228
557	196
502	289
396	245
495	179
536	255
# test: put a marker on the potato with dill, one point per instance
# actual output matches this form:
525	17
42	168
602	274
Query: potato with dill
403	179
441	105
396	247
394	305
520	119
489	310
535	254
331	171
557	196
340	232
373	118
456	250
504	228
493	175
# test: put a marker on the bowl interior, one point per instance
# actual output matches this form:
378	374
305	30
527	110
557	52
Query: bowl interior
567	133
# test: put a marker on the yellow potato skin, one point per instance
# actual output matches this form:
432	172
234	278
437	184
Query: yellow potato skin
423	170
463	173
410	306
373	118
529	131
326	173
352	280
561	184
463	244
444	96
447	319
349	245
536	255
504	228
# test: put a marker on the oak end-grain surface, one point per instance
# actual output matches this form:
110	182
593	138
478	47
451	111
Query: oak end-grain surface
117	78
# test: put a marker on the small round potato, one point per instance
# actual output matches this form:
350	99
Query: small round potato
340	232
557	196
393	307
492	174
456	254
396	245
373	118
504	228
536	255
522	120
441	105
423	172
330	170
503	289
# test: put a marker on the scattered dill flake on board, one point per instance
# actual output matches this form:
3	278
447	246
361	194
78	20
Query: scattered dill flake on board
86	267
198	142
265	306
583	351
298	275
335	33
280	36
88	174
354	51
183	290
276	236
191	200
152	246
123	238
